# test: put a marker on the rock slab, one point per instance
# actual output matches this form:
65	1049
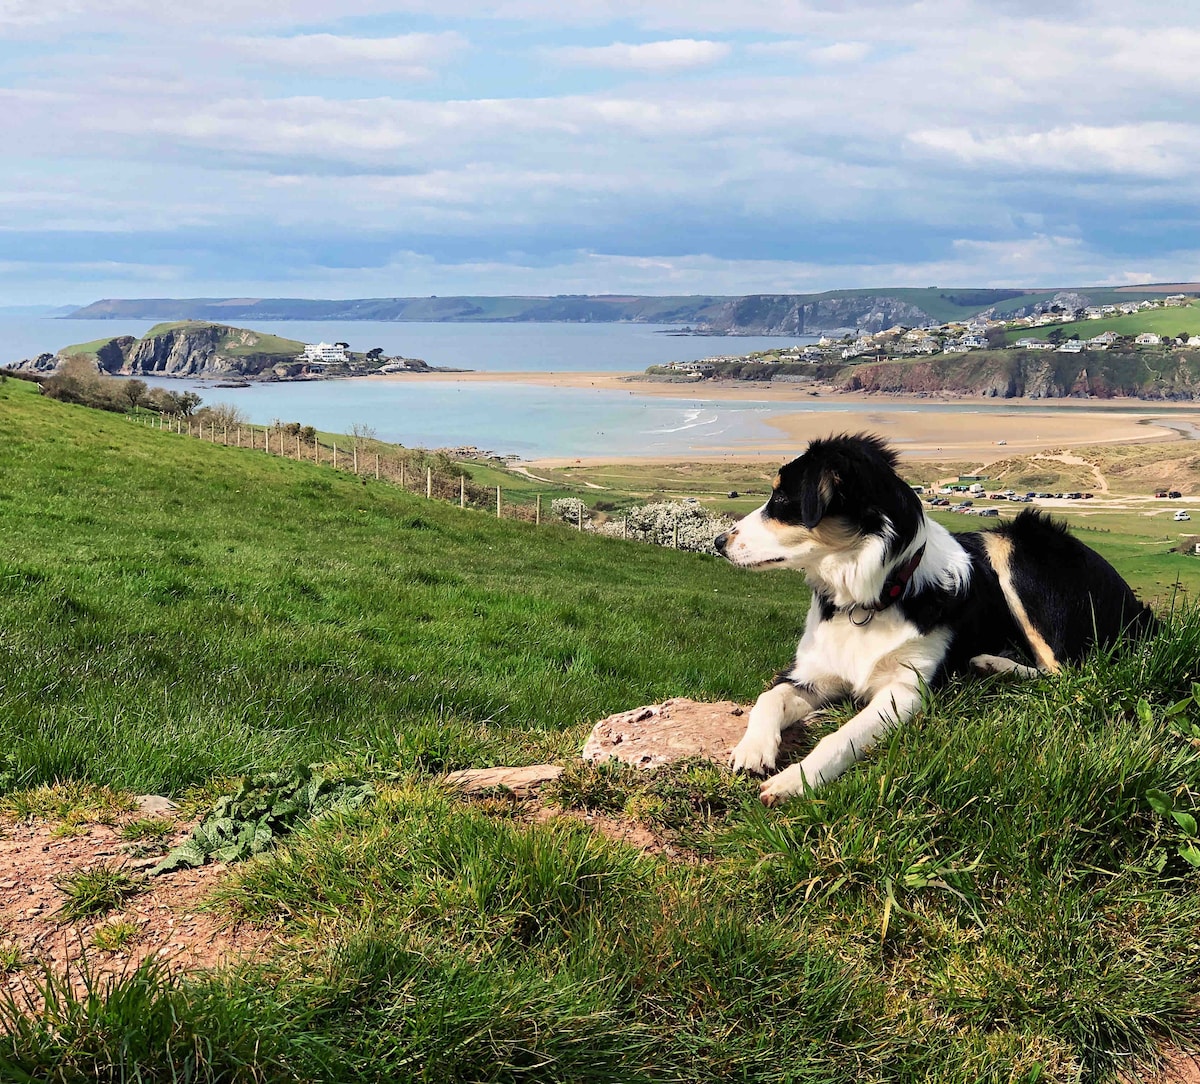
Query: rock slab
676	729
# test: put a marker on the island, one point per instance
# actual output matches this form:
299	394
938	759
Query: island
199	349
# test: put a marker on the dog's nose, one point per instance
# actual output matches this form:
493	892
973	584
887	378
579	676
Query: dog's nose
720	542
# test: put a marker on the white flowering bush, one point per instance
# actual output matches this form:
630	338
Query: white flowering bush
657	524
569	509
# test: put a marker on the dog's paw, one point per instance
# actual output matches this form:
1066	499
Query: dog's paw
787	784
754	756
998	664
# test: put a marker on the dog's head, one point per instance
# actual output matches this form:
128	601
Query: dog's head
841	494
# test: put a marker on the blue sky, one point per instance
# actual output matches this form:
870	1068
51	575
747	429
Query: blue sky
269	148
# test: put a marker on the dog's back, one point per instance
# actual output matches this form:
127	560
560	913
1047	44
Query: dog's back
1064	597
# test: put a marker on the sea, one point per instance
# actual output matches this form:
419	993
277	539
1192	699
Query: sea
524	421
505	418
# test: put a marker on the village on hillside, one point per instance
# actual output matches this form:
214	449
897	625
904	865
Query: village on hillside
1051	327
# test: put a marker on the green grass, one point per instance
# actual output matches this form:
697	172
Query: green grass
997	893
1164	321
174	611
94	891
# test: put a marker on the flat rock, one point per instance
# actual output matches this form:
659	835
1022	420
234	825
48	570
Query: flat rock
154	803
676	729
521	781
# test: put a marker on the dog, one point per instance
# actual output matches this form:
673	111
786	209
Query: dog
899	603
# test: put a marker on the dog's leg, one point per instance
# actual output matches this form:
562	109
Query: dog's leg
998	664
893	704
773	712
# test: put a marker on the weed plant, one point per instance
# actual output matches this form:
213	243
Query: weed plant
94	891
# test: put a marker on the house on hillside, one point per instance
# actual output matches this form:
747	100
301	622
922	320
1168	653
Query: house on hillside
316	354
1175	300
1071	346
1148	338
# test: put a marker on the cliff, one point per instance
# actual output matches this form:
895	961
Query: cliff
1026	374
187	349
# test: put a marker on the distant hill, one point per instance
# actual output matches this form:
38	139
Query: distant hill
867	310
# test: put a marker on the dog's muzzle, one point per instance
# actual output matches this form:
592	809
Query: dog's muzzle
720	542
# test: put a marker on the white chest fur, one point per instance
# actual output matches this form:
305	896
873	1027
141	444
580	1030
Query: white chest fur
860	659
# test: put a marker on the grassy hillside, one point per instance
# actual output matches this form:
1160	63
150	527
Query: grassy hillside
233	341
1172	321
993	895
216	610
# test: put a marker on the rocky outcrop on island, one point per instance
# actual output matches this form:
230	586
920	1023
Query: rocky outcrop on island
198	349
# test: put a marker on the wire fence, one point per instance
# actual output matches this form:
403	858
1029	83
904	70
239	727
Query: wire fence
435	476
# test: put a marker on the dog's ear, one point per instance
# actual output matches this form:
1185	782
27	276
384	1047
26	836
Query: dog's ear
815	496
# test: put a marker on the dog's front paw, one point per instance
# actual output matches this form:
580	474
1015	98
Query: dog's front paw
787	784
751	755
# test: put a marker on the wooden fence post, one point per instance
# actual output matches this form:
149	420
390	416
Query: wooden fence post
579	517
335	455
377	466
675	535
356	457
462	491
297	447
497	502
537	511
429	483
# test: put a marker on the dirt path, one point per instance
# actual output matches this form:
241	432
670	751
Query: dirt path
1077	461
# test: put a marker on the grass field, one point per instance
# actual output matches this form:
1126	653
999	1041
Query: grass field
1001	892
1165	321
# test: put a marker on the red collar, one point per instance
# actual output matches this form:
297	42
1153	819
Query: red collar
895	584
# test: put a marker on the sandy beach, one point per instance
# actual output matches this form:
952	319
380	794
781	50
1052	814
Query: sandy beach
1007	427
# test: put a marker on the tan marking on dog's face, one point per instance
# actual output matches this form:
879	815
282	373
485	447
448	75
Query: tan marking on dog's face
778	481
999	551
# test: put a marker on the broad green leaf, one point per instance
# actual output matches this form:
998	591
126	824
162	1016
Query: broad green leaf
1190	853
1160	802
1185	821
1144	712
1180	706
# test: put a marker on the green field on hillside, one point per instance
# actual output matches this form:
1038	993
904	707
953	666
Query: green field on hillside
263	343
1003	891
1165	321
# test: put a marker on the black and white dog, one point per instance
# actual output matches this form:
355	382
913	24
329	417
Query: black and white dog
899	603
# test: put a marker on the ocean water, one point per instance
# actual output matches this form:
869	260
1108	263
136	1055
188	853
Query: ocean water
507	418
490	347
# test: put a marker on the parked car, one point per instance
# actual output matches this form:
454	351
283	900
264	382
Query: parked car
1174	494
989	511
1181	516
1088	496
1161	493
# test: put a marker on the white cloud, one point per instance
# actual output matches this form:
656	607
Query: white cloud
1157	149
654	56
413	56
841	52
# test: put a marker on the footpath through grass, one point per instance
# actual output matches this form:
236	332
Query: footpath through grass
1004	891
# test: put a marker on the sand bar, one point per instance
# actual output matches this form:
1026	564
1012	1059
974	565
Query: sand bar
1018	427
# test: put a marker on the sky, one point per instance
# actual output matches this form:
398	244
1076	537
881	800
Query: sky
369	149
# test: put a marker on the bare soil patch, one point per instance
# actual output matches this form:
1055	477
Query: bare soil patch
167	911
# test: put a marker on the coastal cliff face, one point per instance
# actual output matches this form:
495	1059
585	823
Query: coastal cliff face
1021	374
783	314
189	350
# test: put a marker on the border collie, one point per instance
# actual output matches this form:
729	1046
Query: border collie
899	603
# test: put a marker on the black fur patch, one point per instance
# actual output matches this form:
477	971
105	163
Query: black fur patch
852	479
